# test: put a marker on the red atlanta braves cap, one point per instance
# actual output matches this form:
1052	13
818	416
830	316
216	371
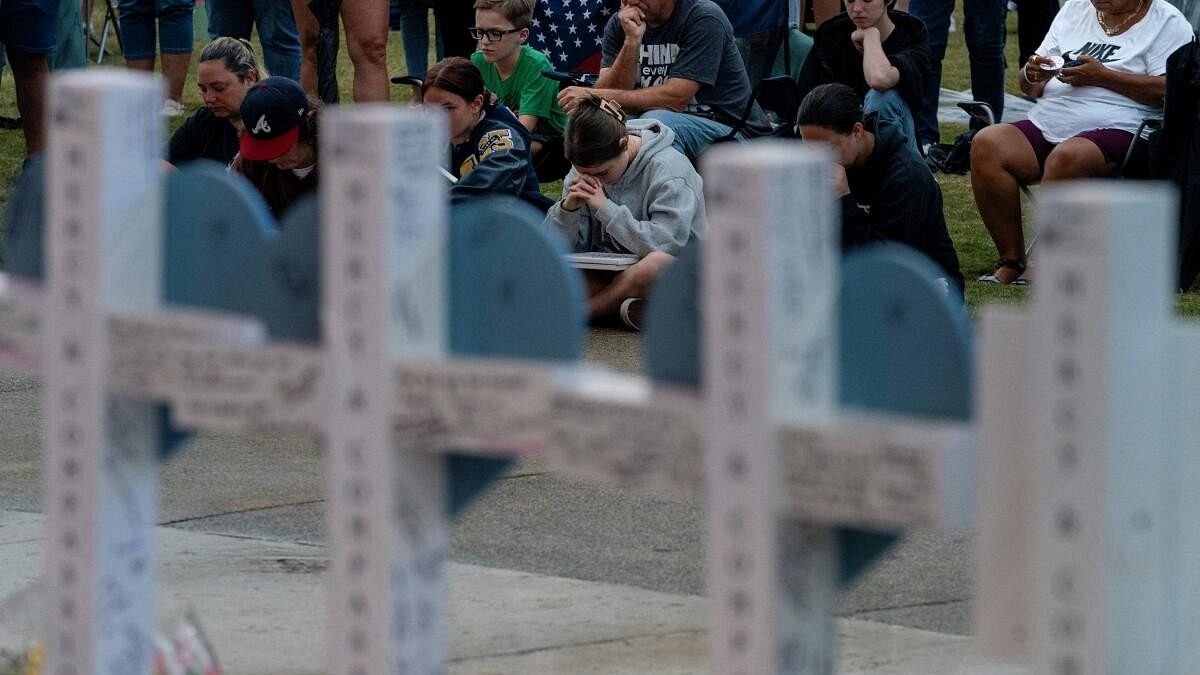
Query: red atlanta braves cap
272	111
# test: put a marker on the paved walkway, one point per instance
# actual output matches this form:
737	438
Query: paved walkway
262	603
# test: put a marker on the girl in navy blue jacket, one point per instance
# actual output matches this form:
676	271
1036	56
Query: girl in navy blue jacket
489	151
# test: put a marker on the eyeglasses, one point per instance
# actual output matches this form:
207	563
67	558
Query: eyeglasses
492	34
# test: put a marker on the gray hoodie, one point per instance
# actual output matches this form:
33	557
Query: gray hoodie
657	205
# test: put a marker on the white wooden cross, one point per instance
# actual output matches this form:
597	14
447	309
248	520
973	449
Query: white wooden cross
1089	553
777	448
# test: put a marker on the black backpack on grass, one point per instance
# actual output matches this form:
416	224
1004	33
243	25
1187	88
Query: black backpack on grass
951	157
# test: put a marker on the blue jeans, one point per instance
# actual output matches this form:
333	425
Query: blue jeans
138	24
889	105
414	32
984	32
693	134
71	51
276	29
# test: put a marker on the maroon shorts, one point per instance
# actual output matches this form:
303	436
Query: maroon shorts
1114	143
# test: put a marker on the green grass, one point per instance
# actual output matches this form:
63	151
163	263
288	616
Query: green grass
975	250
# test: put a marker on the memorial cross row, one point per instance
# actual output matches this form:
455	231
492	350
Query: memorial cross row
389	294
1087	556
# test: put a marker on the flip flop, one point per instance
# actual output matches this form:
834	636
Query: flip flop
1006	263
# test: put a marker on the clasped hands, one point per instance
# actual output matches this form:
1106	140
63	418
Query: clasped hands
585	190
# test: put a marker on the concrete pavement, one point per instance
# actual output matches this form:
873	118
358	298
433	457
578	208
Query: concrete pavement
262	606
263	499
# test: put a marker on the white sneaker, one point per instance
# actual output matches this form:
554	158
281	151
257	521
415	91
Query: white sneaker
172	108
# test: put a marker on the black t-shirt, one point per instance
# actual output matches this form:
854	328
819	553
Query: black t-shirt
834	57
280	188
203	136
894	197
695	44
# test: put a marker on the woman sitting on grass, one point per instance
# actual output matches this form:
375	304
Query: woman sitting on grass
628	191
887	192
489	147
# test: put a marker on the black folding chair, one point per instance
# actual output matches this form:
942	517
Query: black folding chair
100	40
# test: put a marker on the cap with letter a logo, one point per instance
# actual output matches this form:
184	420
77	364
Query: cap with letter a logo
273	110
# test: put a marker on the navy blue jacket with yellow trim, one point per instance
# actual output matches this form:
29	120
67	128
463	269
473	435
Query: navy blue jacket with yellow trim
496	160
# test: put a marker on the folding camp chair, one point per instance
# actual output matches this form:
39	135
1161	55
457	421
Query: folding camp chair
1135	163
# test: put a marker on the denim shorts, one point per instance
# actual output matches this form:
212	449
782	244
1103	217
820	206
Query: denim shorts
29	26
141	19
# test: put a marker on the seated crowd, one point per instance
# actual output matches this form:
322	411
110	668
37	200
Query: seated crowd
673	67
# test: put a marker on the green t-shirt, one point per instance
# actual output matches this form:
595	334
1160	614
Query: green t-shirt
526	92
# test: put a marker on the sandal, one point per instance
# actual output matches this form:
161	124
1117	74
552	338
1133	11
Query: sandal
1006	263
627	313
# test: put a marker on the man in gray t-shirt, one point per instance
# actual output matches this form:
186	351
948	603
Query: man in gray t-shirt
675	61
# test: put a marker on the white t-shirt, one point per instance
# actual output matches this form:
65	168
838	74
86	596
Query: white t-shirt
1065	110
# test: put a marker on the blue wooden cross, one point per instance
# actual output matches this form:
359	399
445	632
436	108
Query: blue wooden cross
774	331
218	249
369	287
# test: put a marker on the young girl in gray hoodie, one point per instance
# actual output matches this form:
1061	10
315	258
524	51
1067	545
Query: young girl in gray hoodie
628	191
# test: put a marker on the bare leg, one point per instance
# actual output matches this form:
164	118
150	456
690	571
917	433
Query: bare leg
366	23
308	28
1001	161
1076	158
634	282
140	64
175	70
31	73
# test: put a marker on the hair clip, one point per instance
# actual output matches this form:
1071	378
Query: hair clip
613	108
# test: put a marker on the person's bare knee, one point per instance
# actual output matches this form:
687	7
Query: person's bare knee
368	51
647	271
366	23
1002	147
1075	158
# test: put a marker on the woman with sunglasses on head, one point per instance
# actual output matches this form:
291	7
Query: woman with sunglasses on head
227	69
489	147
628	191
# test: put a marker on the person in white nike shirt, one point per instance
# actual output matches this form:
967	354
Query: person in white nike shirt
1099	73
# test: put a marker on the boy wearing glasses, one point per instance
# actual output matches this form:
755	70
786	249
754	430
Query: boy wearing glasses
513	70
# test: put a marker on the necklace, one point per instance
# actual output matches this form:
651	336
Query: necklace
1113	30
